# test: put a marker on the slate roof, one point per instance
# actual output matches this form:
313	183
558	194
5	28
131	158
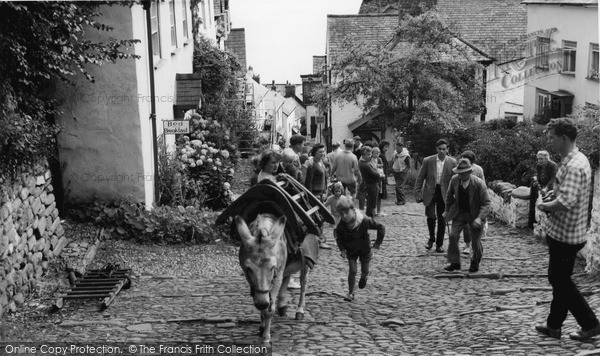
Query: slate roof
367	28
319	64
489	25
236	44
188	89
562	2
391	6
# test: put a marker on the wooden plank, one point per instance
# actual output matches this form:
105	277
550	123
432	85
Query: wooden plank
312	210
298	196
84	296
111	297
84	292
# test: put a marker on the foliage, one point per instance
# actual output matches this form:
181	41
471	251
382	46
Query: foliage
222	78
175	186
508	154
588	138
162	224
422	75
42	42
206	158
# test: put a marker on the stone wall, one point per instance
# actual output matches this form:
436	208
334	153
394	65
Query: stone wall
31	233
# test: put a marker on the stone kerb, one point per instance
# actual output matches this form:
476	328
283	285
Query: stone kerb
30	233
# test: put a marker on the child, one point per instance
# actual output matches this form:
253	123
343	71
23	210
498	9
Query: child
352	237
255	160
338	190
377	163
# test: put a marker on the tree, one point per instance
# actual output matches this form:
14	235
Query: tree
423	76
42	42
221	76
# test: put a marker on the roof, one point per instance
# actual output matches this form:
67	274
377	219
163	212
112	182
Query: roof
319	64
289	105
188	89
236	44
363	120
391	6
366	28
562	2
487	24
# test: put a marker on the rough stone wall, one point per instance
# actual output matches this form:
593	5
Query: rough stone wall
30	234
500	208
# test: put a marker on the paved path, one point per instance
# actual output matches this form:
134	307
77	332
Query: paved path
435	315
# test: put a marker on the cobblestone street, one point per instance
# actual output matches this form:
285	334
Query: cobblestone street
410	306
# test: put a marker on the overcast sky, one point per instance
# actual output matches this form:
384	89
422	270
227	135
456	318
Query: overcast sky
282	36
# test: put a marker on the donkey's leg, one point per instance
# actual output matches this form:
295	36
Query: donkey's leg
270	310
303	285
282	297
261	330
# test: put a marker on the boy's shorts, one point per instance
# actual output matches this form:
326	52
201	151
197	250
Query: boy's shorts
364	257
350	186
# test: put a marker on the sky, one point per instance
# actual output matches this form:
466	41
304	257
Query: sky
282	36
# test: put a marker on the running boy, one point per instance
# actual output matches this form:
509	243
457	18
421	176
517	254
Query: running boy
352	237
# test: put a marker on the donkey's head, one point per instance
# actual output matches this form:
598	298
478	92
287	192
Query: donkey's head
263	254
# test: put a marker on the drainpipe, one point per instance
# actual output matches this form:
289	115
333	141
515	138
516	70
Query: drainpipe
147	4
484	93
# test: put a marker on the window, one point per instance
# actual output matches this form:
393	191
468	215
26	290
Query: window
185	19
569	56
155	28
543	103
173	27
593	67
543	49
204	19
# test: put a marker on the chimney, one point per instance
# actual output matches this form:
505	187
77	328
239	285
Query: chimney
290	90
273	87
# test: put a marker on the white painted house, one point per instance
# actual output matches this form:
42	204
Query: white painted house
106	144
563	68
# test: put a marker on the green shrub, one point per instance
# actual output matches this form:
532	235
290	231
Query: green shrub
163	224
207	157
508	153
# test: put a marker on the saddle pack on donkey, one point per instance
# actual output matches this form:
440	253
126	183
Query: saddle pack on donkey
278	225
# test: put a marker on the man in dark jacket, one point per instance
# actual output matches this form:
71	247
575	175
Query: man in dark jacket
371	179
467	206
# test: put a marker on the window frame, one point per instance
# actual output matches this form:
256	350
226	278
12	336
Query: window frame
542	47
593	73
569	57
186	29
173	26
155	30
541	98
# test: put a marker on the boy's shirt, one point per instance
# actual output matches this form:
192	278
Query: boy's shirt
356	241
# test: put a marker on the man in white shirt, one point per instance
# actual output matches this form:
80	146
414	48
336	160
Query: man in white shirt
431	187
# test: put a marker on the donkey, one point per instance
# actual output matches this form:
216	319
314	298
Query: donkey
264	260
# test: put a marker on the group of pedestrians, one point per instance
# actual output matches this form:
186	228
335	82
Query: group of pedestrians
454	191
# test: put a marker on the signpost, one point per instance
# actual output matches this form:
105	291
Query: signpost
176	127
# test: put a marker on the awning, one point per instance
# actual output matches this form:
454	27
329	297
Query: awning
562	94
363	120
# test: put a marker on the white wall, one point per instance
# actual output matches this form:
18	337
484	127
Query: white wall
573	23
106	141
502	97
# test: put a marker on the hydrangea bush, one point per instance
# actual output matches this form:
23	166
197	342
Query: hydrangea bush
207	155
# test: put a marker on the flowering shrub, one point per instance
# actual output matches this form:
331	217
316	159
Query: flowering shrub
163	224
207	155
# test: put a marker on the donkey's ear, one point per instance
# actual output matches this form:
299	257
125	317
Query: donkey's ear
278	227
243	230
